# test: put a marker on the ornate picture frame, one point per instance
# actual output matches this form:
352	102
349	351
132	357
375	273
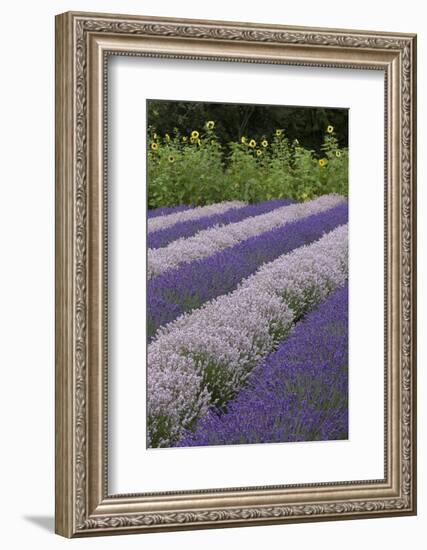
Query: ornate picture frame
84	42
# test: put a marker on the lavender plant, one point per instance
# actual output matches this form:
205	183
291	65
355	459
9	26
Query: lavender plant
188	228
166	210
298	393
203	358
161	222
190	285
207	242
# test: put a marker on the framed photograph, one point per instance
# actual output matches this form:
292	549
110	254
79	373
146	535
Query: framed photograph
235	274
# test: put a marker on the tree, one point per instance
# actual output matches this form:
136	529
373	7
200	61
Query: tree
234	120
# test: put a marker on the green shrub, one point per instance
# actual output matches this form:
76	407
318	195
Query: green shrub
194	170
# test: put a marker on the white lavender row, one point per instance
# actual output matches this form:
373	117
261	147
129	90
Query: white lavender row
207	242
202	358
161	222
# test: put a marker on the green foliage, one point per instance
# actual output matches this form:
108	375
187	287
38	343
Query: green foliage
196	169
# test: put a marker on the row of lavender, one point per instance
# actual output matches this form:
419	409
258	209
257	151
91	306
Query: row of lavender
232	284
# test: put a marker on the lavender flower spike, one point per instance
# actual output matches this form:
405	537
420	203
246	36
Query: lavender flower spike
207	242
203	357
161	222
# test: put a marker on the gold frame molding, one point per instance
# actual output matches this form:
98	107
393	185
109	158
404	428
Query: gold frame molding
83	43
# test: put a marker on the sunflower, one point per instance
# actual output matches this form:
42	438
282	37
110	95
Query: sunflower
258	153
184	139
330	129
194	134
338	154
243	139
322	163
154	146
278	132
171	158
264	143
154	136
167	137
252	143
210	125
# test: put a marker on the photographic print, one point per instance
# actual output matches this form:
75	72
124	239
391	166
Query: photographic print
247	274
219	213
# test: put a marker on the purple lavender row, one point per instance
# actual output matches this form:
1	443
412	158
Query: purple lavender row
300	391
190	285
161	222
188	228
166	210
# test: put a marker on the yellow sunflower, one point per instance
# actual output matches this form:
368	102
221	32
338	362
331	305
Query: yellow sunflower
194	134
210	124
243	139
167	137
252	143
322	163
154	146
338	154
171	158
330	129
264	143
278	132
259	152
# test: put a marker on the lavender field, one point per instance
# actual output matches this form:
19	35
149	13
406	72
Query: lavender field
247	322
